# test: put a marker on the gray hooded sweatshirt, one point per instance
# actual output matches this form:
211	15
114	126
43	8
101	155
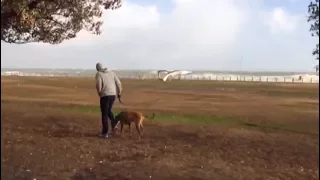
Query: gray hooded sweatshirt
107	83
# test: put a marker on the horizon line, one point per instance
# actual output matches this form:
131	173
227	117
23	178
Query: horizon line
151	69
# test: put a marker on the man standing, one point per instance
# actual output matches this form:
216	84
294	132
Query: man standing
108	87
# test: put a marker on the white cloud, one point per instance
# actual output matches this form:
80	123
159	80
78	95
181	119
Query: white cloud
202	27
206	34
184	26
278	20
133	16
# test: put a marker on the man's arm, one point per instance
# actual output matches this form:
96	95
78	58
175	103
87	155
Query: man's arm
118	84
98	83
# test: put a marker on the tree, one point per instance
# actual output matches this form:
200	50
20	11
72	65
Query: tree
51	21
313	18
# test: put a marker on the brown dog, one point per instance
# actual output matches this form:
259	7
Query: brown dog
128	117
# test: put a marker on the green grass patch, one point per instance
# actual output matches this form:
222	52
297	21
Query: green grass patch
176	118
166	117
230	122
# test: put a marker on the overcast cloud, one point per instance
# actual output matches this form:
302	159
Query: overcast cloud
185	34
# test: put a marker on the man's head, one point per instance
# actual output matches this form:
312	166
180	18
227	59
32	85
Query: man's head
99	67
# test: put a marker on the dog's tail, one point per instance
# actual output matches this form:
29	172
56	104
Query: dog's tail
153	115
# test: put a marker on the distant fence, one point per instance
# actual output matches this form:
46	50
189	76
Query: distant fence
273	79
232	78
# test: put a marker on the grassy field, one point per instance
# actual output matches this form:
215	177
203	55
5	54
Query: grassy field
202	130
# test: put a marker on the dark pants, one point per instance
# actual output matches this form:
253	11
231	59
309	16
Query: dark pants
106	103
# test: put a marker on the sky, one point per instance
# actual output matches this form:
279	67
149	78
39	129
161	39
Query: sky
236	35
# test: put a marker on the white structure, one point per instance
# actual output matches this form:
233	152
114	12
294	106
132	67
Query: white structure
11	73
18	73
172	73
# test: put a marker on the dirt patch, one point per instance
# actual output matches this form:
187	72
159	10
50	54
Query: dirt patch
40	140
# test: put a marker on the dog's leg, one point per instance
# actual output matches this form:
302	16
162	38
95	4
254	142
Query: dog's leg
142	130
121	130
141	125
138	129
130	129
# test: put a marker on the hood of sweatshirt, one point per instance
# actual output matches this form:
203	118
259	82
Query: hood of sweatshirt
100	68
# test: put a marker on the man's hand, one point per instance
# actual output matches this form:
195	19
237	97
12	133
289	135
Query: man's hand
98	84
119	98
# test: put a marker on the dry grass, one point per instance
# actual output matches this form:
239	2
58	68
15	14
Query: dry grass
202	130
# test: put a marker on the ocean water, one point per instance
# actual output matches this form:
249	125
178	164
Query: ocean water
296	77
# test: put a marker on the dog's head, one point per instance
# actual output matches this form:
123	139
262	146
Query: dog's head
117	117
120	116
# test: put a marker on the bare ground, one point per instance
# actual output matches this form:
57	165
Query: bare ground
45	137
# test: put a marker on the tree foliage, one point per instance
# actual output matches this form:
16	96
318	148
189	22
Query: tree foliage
313	18
51	21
